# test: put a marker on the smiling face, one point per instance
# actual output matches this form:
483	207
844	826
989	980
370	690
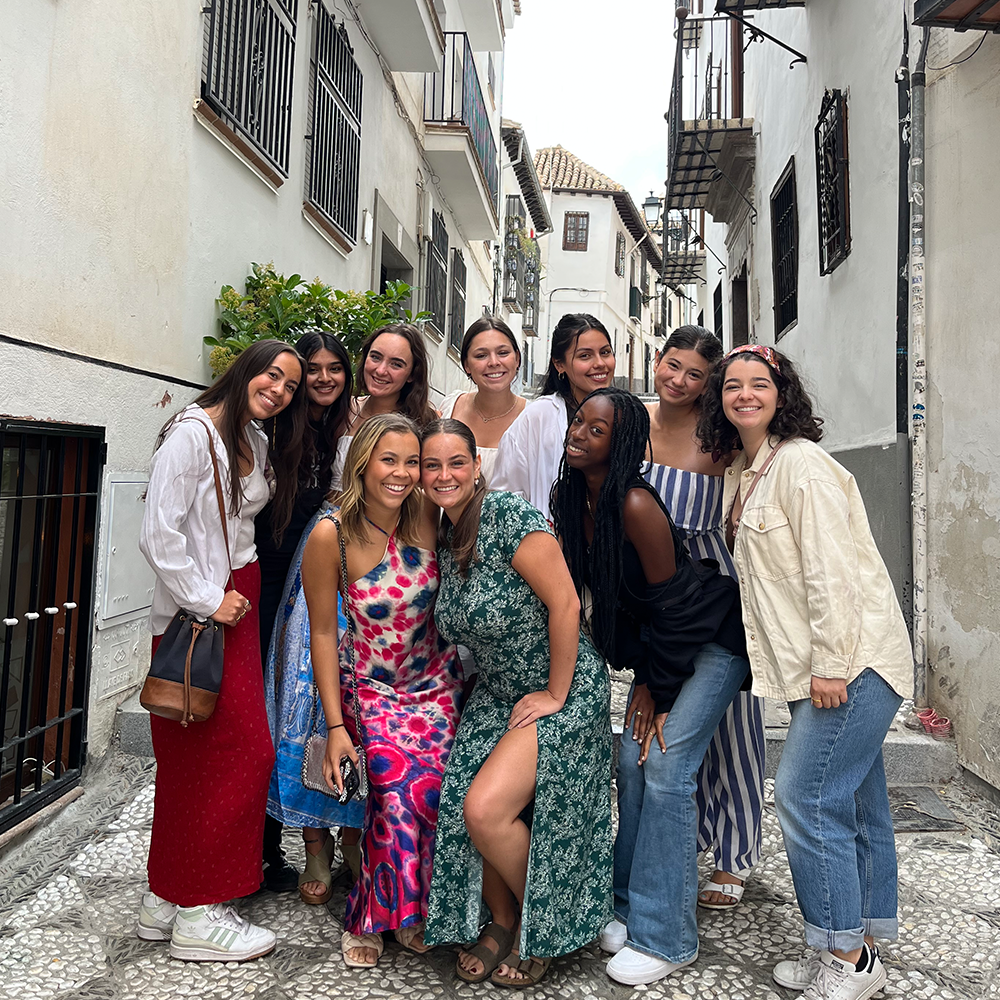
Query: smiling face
680	376
492	362
750	397
588	440
589	364
325	378
393	470
448	472
273	389
389	365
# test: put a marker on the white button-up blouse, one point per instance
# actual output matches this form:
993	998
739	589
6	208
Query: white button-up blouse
181	535
817	598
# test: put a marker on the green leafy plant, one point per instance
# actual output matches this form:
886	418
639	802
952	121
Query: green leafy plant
275	307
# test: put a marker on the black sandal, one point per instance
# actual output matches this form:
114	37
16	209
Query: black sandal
504	940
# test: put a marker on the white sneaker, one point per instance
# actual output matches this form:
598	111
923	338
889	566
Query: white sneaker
633	968
799	973
217	933
840	980
156	918
613	937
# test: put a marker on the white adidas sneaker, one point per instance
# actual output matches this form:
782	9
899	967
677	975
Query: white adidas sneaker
156	918
217	933
840	980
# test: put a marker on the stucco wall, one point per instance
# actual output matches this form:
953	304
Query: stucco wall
963	422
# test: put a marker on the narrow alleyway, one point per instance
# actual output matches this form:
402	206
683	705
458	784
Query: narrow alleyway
69	896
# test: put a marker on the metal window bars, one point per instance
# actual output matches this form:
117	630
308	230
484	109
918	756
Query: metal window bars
335	134
515	262
456	327
454	97
437	273
785	252
832	182
48	519
249	58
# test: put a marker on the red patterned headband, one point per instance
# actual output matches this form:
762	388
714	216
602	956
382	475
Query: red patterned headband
763	352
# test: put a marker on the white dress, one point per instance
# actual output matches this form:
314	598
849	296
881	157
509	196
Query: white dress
488	455
531	451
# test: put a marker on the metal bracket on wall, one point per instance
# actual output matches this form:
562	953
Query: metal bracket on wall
758	35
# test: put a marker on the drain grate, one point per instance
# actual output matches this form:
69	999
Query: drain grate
919	809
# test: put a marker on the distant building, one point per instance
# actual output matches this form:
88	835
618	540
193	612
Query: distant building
601	259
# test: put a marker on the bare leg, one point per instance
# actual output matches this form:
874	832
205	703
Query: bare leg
503	907
504	786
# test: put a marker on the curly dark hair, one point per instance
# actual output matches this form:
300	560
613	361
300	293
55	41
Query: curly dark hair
794	418
601	567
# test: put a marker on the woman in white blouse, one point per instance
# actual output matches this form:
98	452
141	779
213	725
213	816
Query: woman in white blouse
491	358
528	458
212	777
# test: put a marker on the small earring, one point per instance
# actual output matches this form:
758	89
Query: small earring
476	483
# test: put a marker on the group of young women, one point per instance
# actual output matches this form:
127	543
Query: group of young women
498	556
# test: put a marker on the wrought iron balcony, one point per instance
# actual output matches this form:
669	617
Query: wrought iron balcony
683	251
962	15
458	139
738	6
707	125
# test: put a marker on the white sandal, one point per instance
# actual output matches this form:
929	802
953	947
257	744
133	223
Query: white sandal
349	941
726	889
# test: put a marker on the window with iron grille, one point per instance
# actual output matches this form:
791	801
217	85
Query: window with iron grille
576	229
785	251
456	329
247	71
644	277
437	273
717	309
50	478
335	127
620	255
832	177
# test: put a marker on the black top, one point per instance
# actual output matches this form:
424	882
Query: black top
662	626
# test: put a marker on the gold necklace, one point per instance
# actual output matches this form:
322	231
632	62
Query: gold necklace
590	509
483	417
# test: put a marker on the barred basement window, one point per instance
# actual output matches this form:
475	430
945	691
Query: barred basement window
437	273
576	228
247	71
620	255
456	329
832	178
335	128
785	251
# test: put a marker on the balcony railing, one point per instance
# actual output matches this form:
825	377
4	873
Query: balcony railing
683	251
515	261
706	104
454	97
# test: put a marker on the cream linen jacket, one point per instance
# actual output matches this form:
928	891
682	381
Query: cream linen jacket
817	598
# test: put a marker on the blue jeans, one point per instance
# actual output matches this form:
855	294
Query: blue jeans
656	859
833	807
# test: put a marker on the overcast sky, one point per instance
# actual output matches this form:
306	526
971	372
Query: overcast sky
594	77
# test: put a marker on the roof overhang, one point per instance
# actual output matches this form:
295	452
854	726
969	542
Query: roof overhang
737	6
527	177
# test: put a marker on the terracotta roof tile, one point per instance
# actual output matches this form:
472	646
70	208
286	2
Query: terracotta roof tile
559	169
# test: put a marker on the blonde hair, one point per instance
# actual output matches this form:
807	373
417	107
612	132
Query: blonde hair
352	492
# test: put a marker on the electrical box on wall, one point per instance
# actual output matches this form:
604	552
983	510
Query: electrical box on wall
128	580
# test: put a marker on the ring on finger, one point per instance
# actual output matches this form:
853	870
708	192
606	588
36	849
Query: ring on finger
818	702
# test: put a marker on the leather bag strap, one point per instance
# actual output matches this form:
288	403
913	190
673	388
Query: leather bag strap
756	480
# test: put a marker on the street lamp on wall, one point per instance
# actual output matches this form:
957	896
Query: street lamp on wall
651	210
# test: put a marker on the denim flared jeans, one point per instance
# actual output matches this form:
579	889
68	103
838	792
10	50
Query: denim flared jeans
833	807
656	859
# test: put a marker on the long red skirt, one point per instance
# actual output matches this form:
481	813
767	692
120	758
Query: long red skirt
212	779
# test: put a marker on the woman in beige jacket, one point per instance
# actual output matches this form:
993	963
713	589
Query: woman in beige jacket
824	633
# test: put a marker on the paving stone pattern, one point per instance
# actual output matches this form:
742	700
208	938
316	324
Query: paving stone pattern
69	898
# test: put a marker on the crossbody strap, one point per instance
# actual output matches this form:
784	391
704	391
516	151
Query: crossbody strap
756	480
218	489
350	628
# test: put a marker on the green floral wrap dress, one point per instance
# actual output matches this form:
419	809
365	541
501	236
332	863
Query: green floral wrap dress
495	613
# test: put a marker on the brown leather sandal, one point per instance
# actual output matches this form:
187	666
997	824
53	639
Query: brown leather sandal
502	938
531	972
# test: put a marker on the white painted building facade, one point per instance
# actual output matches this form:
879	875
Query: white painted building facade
601	259
148	165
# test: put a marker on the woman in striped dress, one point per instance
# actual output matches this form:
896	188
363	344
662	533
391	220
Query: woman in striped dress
690	483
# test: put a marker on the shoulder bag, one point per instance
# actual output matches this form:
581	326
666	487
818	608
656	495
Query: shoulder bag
186	672
355	778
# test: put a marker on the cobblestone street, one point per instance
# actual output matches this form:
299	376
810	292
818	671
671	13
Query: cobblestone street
69	896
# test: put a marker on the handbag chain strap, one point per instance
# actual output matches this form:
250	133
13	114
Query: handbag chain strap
350	628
